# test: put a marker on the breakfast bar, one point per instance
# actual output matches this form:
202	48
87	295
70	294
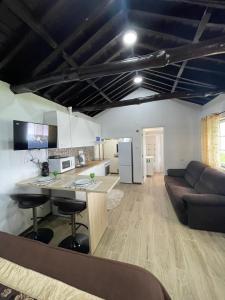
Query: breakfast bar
96	196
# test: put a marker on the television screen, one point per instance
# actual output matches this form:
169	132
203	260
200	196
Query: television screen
28	136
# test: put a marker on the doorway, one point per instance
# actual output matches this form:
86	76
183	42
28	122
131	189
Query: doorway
153	151
110	151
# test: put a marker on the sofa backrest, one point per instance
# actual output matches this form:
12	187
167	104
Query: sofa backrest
193	172
211	182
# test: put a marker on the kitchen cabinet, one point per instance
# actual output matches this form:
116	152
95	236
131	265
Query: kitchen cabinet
114	165
83	132
62	121
99	170
73	131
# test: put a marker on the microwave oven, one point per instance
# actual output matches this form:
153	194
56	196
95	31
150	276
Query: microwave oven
61	164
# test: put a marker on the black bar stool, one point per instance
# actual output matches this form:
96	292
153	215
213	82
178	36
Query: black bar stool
26	201
77	241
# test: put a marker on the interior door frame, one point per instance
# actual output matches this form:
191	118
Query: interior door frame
142	145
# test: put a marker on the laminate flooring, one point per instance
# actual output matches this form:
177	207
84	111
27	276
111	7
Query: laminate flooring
144	230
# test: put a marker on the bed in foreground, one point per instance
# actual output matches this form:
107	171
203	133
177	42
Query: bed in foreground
103	278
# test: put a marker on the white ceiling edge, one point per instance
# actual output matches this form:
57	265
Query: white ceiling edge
140	92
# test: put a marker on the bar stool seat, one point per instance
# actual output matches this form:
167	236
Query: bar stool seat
27	201
77	241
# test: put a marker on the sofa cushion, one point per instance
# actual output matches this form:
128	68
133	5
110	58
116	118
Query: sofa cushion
176	194
193	172
178	181
211	182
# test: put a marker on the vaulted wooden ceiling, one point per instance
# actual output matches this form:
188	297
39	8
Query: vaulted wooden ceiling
39	37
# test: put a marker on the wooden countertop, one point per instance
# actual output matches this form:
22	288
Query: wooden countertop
104	184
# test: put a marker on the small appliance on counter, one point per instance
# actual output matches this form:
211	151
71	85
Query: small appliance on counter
81	159
45	169
61	164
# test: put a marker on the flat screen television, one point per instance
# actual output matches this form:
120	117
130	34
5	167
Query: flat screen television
28	136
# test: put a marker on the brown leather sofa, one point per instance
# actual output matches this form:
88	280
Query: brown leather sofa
198	196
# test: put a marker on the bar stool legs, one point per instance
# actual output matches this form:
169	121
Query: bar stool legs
42	234
77	241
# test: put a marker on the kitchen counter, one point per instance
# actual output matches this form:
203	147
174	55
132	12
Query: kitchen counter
96	196
91	164
104	184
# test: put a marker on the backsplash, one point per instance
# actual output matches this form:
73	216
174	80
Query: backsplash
88	151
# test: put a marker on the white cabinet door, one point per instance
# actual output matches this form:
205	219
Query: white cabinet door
62	121
99	170
83	132
64	135
114	165
73	131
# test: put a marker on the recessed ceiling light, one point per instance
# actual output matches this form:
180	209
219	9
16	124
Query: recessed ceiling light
130	37
138	79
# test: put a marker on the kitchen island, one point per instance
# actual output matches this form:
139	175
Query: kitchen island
95	194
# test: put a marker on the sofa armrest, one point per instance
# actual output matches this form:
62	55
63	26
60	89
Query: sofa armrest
204	199
176	172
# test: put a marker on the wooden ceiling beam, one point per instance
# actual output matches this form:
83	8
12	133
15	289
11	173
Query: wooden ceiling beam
167	76
158	59
91	59
120	89
153	48
169	18
165	84
62	94
156	86
12	53
201	28
158	97
203	70
74	86
97	54
152	88
104	88
158	34
89	97
207	3
80	31
173	79
126	93
120	86
24	14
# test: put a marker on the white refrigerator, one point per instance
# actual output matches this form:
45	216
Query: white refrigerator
125	154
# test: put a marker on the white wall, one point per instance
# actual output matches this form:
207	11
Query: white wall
217	105
179	119
16	165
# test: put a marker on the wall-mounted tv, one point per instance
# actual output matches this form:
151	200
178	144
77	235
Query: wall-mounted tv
28	136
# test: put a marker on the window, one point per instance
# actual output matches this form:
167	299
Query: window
222	143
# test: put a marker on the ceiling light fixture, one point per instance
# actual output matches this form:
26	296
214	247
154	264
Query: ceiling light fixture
138	79
130	38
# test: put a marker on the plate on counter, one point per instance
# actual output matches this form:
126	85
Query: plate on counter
45	179
83	181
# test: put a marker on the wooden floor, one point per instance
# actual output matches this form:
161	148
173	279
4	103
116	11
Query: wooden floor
144	231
